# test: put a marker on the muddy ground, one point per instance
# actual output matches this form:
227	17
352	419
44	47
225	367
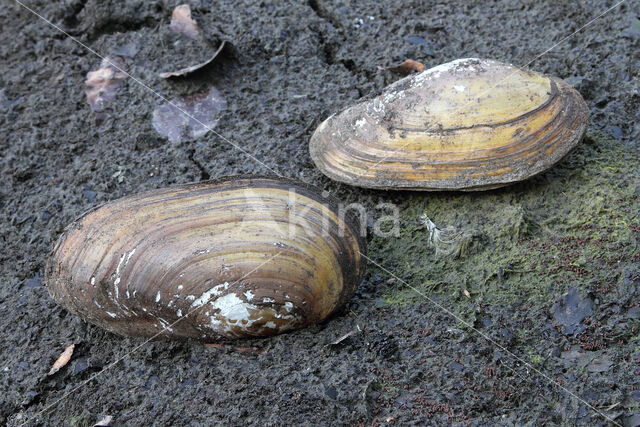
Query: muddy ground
549	269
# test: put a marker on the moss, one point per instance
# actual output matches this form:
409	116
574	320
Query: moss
536	359
575	225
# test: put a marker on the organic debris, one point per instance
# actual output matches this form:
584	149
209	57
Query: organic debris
445	241
405	68
345	336
193	116
181	22
571	311
601	364
254	350
103	83
104	422
191	69
587	360
128	50
62	360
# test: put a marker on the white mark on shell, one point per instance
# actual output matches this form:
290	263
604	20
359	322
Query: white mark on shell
233	308
393	95
129	256
120	263
207	295
165	324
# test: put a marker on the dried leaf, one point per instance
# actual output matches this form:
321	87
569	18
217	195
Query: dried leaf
104	422
181	22
103	83
191	69
467	294
170	120
62	360
407	67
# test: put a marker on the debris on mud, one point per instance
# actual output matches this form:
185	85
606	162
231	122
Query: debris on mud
62	360
191	116
405	68
181	21
235	348
102	84
446	241
345	336
571	311
188	70
106	421
181	53
587	360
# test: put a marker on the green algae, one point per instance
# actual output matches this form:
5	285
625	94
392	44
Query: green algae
574	225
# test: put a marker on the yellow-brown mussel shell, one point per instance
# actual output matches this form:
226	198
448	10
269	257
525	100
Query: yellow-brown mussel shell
239	257
470	124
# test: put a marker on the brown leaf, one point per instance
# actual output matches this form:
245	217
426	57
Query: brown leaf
104	422
407	67
191	69
103	83
62	360
181	22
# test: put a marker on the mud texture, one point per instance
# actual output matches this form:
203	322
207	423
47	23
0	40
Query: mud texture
548	269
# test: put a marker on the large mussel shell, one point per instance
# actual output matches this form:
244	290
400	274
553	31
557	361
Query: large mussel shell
470	124
244	256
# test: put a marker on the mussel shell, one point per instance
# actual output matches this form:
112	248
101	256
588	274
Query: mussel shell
238	257
470	124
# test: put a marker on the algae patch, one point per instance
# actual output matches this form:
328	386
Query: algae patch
576	224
